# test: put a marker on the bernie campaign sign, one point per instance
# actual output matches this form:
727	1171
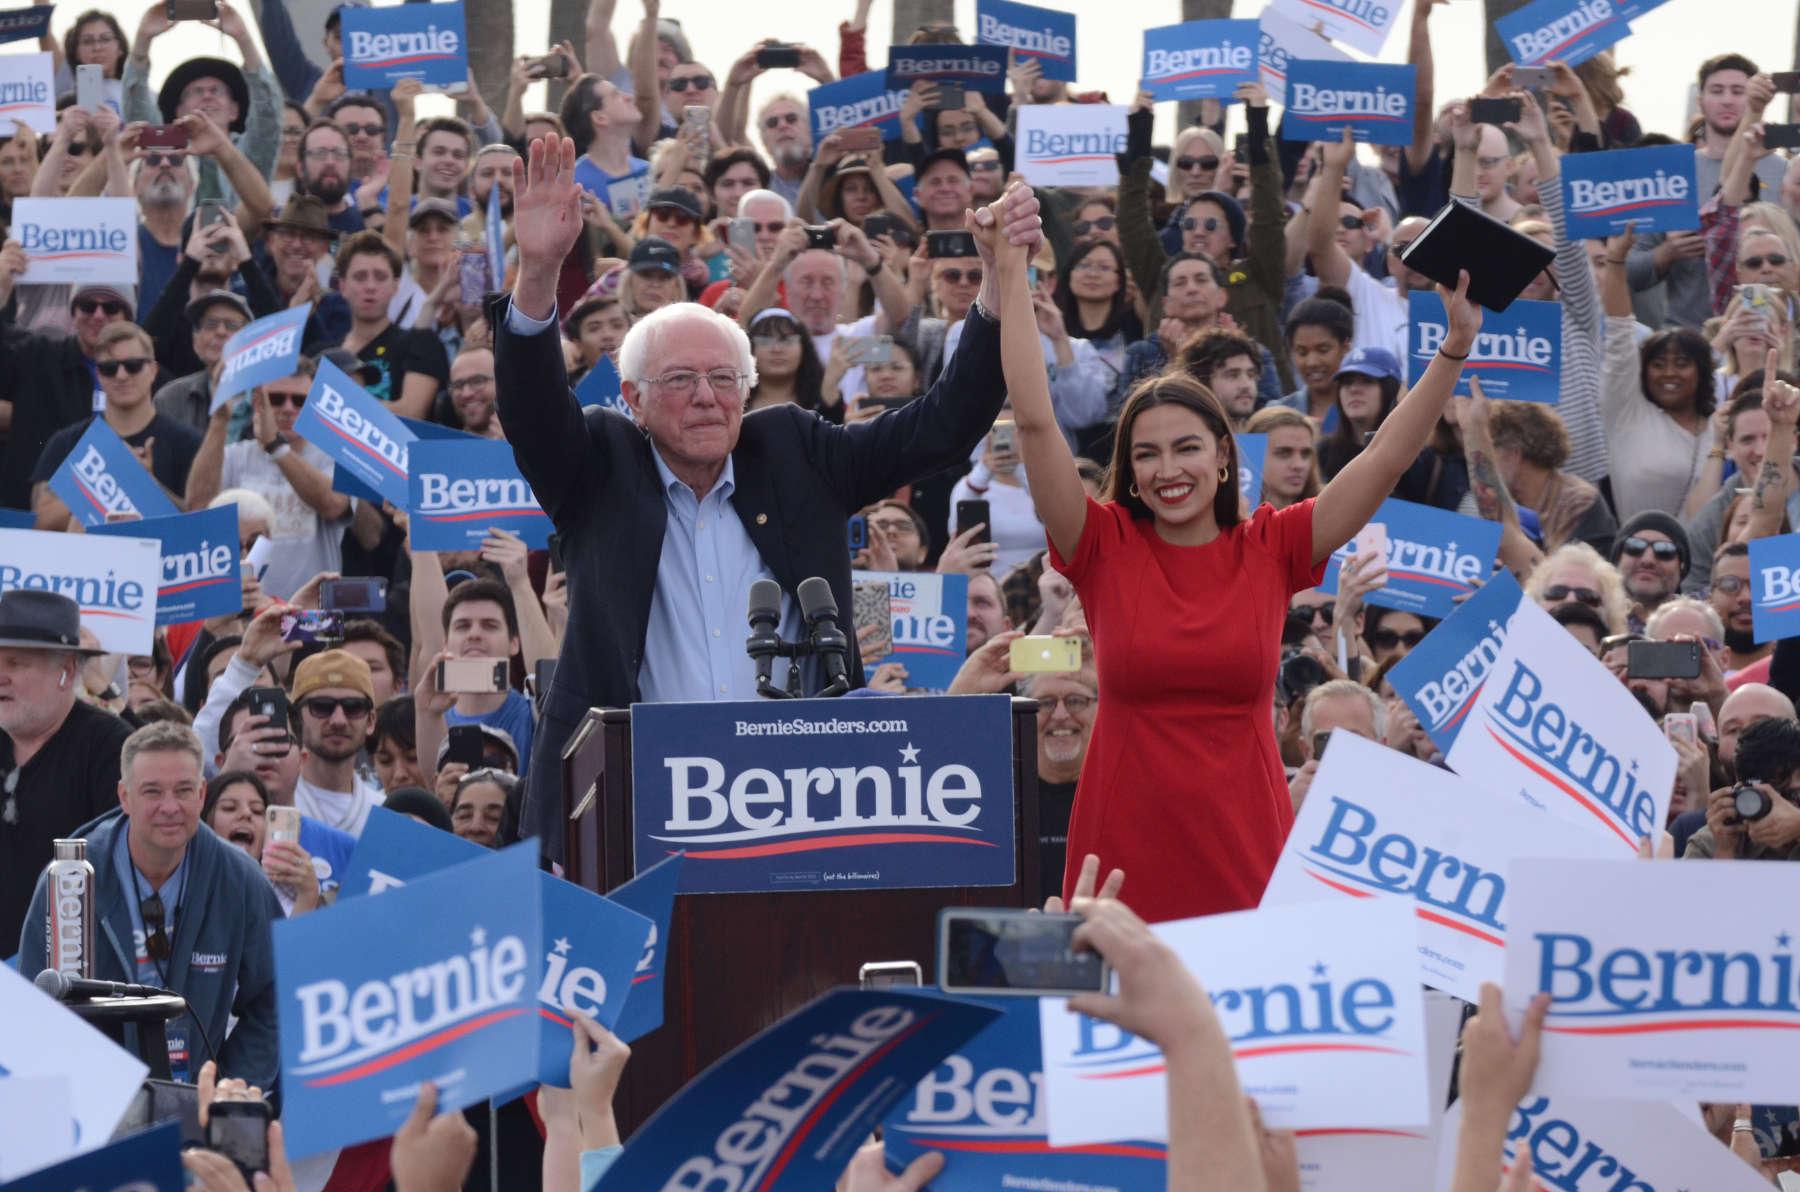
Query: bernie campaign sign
101	479
69	241
1566	31
1775	587
860	101
459	489
1441	677
1651	188
815	795
1373	100
791	1106
360	434
1433	556
405	41
931	621
1070	144
200	577
602	387
115	581
148	1161
1253	452
1360	24
22	24
440	985
1042	34
28	92
983	1109
977	68
1199	59
1281	41
260	352
1517	358
651	894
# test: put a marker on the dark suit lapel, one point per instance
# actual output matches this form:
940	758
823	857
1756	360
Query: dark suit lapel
754	499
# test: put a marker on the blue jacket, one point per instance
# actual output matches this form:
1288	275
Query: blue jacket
222	958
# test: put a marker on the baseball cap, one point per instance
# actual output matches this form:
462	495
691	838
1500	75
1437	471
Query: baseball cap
678	197
199	306
442	208
954	156
101	292
332	668
1370	362
654	254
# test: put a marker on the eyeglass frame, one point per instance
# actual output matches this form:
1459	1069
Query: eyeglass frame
689	387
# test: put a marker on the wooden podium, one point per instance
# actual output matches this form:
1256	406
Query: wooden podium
738	962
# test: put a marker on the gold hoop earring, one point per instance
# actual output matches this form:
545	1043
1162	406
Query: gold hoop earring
1224	475
1134	492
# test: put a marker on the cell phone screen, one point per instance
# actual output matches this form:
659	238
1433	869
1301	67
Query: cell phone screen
1006	951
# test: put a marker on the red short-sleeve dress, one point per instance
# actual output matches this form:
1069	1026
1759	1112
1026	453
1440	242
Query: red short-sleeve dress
1183	786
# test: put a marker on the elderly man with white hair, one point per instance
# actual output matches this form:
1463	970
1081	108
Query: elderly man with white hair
667	517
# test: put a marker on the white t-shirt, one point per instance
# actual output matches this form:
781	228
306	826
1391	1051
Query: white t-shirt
1016	530
347	811
853	382
1381	314
305	544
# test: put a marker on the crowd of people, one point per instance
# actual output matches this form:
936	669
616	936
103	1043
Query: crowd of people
795	349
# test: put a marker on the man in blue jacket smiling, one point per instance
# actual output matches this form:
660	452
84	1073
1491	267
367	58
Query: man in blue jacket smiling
180	909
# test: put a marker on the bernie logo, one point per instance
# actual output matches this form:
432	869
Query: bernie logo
998	1111
1309	102
1030	43
1778	589
1171	66
399	49
1448	698
1597	197
1531	46
1628	991
361	433
1494	349
1361	12
446	499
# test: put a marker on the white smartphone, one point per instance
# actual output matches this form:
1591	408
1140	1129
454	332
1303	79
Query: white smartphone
1681	726
284	823
1372	539
90	87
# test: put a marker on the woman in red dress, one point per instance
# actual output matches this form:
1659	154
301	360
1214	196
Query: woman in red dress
1183	788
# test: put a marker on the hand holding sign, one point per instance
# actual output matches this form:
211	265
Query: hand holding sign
596	1062
1157	998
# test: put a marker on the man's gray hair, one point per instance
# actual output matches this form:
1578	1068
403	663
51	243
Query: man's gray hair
843	264
640	341
764	195
161	736
1678	604
1343	687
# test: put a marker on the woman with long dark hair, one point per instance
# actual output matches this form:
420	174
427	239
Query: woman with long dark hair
1096	306
1368	390
1186	597
787	366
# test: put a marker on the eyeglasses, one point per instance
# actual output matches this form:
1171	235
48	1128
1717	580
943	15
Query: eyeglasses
1209	162
984	165
1387	639
322	707
88	306
229	326
290	399
477	382
156	939
1211	223
97	41
1349	223
957	277
1320	612
133	365
684	381
1095	265
1074	705
354	129
777	120
1731	585
1559	592
158	160
697	83
1774	260
1105	223
327	155
898	525
1665	552
772	227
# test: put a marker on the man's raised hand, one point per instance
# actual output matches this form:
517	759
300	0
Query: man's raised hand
546	219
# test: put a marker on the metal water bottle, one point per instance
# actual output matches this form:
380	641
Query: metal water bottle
71	909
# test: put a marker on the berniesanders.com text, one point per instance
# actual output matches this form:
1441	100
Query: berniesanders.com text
800	726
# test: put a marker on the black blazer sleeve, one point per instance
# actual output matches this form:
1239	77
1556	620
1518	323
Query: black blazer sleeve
546	426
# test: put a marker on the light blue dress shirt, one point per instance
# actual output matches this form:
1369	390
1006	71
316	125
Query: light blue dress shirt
694	643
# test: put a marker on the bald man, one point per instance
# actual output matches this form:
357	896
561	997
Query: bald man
1741	709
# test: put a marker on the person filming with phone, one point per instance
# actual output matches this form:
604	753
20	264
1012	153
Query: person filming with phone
668	517
1195	801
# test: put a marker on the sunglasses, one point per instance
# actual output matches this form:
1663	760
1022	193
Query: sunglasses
1105	223
957	277
81	149
1387	639
1211	223
1209	162
1665	552
697	83
87	306
156	939
157	160
984	165
772	227
277	400
1560	592
776	121
1731	585
1323	612
1349	223
1774	260
321	707
366	130
132	365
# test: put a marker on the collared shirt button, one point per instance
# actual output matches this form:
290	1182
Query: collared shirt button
715	633
709	579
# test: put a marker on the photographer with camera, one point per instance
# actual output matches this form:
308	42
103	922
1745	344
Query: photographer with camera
1759	818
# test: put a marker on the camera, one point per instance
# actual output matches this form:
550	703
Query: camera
1299	674
821	236
1751	804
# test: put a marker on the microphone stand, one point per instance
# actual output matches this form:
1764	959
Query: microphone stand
794	652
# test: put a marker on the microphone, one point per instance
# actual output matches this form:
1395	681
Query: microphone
819	607
764	643
65	988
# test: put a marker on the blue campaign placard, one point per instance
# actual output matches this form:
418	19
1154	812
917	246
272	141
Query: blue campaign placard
1441	677
602	387
592	948
1200	59
1775	587
405	41
263	351
17	519
826	795
651	894
860	101
1046	34
1567	31
359	433
19	24
978	68
791	1106
1373	100
1652	188
101	476
436	980
1253	451
983	1108
148	1161
200	571
931	625
1517	355
422	430
1434	556
459	489
394	849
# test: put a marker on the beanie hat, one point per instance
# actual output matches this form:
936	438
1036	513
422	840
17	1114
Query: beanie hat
1662	523
1234	215
332	668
